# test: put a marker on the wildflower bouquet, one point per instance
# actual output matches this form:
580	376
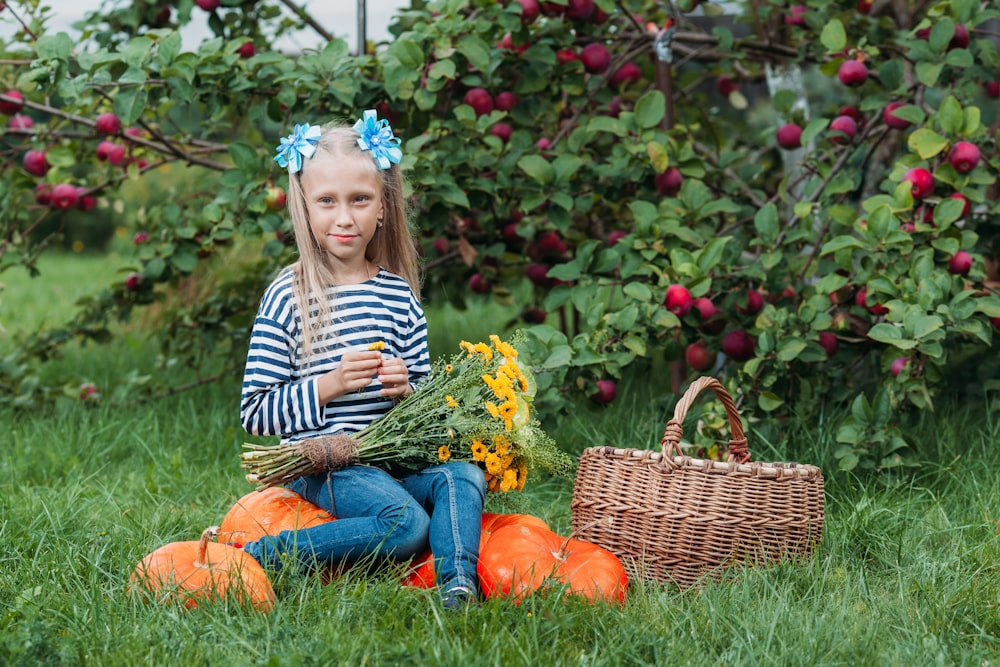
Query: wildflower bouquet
475	406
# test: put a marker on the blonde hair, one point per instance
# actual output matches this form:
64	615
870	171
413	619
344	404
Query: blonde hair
393	246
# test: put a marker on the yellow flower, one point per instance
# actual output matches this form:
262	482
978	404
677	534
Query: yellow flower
468	347
492	409
484	350
377	345
522	475
508	410
449	368
444	453
501	445
452	403
493	484
479	450
493	465
509	480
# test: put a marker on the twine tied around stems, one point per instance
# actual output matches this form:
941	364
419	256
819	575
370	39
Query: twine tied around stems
275	465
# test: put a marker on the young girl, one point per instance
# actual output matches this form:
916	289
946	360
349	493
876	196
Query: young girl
312	370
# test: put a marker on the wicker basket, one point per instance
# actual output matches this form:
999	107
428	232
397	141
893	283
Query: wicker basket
678	519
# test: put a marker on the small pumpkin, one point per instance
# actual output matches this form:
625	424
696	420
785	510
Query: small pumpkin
268	512
519	560
421	571
203	570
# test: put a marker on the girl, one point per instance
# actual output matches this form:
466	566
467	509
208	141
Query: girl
340	336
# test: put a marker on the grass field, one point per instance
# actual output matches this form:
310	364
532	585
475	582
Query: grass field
908	572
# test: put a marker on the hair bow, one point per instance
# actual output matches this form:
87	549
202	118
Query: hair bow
376	136
301	143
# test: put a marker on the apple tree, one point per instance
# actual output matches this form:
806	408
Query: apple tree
799	198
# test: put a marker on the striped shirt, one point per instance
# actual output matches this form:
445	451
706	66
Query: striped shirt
280	394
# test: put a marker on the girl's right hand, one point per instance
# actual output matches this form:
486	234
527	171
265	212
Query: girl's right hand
356	370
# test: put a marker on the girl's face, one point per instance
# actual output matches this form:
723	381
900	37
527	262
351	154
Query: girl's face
343	197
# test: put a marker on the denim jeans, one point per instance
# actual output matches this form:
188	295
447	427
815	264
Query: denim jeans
379	516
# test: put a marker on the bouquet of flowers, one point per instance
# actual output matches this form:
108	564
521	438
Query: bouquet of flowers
475	406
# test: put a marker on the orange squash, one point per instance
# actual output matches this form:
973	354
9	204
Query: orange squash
268	512
421	571
519	560
203	570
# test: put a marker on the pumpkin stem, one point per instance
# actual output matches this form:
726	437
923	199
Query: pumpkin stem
562	555
207	536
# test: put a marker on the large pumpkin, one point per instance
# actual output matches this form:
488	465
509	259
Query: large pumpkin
421	571
203	570
268	512
519	560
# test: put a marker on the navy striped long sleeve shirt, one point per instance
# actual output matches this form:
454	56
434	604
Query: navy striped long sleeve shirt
280	394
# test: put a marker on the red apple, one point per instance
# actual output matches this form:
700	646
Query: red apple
699	357
738	345
751	303
606	392
852	73
537	273
828	342
861	299
579	10
960	39
442	246
995	321
921	182
669	182
35	163
43	194
897	365
616	236
133	282
479	283
502	130
480	100
790	136
627	73
16	103
848	110
864	6
64	196
108	123
20	122
550	243
88	392
960	263
208	5
891	119
529	10
725	85
844	129
247	50
595	57
534	315
543	144
506	101
84	200
992	88
140	237
110	152
678	300
796	15
275	198
966	206
964	156
565	56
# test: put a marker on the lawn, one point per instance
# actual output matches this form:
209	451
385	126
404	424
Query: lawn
908	572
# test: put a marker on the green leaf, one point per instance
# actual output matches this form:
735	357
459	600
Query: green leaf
926	143
475	50
833	37
768	401
923	325
891	335
650	109
135	52
949	116
559	356
840	243
790	348
928	73
244	156
537	168
658	156
408	53
766	222
129	104
54	47
638	291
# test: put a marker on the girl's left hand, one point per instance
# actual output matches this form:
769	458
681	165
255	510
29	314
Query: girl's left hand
394	376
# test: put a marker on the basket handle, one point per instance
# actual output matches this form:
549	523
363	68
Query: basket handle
671	441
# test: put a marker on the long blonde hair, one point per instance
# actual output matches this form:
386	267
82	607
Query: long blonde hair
393	246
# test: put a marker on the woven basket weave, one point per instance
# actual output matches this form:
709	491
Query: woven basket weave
674	518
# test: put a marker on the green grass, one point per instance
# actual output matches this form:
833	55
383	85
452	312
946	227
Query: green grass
908	572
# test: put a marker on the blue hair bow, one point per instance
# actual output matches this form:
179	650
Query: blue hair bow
376	136
301	143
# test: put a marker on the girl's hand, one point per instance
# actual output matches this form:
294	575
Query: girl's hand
356	370
394	376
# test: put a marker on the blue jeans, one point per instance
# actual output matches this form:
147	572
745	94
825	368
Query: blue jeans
382	517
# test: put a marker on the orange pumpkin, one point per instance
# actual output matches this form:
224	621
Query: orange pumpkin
203	570
421	571
519	560
268	512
